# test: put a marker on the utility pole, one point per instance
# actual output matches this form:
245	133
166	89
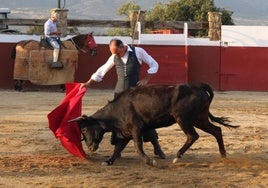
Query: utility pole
59	3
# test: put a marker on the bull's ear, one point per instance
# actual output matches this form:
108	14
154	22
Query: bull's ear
91	120
78	119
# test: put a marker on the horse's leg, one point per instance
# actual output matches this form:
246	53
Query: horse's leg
18	85
62	87
118	148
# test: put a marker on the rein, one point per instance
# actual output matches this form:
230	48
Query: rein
80	49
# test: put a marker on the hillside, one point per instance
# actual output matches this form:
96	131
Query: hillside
246	12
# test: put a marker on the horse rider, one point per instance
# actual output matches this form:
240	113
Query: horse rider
127	61
52	36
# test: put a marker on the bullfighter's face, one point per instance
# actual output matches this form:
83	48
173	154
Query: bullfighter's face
117	50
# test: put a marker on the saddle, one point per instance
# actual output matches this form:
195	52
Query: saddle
44	44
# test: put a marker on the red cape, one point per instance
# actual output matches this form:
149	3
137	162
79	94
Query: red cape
69	108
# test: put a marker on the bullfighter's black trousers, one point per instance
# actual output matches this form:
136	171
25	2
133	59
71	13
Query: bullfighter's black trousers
148	136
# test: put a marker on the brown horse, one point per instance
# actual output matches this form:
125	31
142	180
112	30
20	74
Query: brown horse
32	57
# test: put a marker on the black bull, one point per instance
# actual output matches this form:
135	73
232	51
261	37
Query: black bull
150	107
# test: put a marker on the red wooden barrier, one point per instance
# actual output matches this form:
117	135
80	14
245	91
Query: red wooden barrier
244	68
231	68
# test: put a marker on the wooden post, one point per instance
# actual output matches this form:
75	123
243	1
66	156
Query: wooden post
214	22
136	16
62	21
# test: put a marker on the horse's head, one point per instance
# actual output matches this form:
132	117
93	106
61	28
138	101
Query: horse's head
91	131
90	44
85	43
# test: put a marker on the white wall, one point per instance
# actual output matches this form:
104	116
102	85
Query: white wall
255	36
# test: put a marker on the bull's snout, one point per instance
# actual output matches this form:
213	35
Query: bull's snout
93	147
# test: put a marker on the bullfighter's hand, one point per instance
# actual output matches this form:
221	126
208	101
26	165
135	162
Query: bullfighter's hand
82	85
142	82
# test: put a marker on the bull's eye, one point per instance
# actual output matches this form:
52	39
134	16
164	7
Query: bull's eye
84	130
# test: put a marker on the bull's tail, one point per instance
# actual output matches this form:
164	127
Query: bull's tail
209	90
222	120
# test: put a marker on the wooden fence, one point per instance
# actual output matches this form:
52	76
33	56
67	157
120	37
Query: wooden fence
107	23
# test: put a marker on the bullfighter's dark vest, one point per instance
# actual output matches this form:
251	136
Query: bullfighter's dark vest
127	74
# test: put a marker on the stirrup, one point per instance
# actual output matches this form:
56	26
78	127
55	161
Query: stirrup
56	65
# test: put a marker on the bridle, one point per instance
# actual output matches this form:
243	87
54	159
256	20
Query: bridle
77	47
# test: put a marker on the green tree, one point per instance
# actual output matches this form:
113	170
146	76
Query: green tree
226	17
180	10
188	10
124	10
39	30
36	30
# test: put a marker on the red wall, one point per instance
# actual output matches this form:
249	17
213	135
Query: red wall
171	59
244	68
172	64
231	68
204	65
6	65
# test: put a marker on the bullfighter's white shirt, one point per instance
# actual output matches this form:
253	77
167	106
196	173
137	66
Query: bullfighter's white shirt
142	56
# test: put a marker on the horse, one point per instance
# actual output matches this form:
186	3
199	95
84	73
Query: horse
32	57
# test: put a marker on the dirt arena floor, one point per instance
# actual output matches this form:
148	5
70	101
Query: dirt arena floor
30	155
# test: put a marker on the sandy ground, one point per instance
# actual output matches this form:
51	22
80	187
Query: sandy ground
30	156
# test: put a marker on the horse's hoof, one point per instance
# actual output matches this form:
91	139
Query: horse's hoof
175	160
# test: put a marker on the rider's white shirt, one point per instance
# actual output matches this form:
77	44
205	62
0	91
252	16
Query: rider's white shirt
49	27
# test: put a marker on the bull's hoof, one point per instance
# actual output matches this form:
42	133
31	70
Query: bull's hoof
160	154
175	160
151	162
154	163
106	163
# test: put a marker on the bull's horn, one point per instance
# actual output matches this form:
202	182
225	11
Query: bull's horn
78	119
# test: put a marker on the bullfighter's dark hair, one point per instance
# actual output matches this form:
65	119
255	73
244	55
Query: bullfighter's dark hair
118	42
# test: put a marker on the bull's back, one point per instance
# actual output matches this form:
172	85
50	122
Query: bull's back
152	103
